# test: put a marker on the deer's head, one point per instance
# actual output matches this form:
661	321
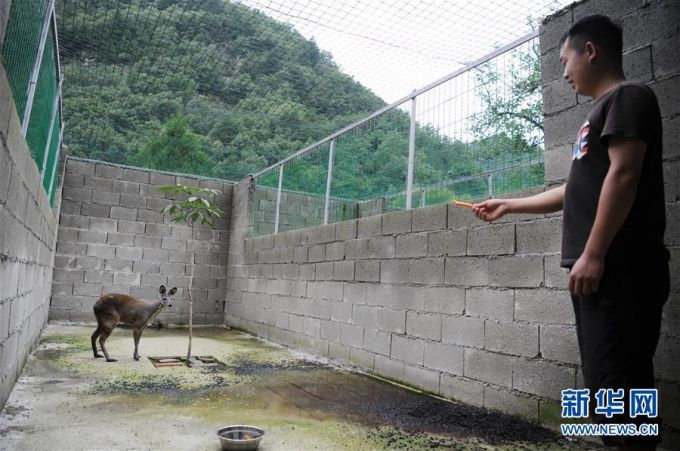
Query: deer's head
167	296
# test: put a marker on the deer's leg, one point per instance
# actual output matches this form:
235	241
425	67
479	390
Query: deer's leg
137	334
94	341
102	339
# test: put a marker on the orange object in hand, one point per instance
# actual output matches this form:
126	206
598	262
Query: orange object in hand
463	204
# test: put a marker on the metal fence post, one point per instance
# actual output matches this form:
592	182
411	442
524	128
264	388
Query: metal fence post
329	178
411	153
46	153
55	165
278	201
36	68
490	185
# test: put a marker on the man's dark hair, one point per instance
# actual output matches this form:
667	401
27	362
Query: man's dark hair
606	36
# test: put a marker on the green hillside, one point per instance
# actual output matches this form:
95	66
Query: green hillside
215	88
235	92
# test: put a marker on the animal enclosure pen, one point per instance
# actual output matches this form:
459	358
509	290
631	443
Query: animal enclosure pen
303	403
477	132
407	328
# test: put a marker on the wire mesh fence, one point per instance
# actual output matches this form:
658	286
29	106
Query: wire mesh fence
253	81
22	40
475	133
480	133
39	124
30	57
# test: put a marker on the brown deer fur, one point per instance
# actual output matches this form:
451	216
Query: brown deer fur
115	308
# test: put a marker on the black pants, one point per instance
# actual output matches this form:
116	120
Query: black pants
618	331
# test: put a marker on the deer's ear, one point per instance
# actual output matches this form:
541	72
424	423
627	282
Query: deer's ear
161	290
173	291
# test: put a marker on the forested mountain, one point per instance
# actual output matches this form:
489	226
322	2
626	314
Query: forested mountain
214	88
235	92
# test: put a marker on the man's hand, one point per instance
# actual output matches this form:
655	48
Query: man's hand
585	275
492	209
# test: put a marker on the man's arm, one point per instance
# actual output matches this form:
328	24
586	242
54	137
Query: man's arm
626	156
546	202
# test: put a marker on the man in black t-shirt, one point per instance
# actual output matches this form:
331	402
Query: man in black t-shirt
614	221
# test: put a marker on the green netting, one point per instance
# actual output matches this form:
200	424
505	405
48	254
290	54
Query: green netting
43	102
478	134
50	179
19	52
20	47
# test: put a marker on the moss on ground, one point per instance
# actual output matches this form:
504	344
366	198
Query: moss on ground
301	403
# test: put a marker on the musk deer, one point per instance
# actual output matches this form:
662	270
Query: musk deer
114	308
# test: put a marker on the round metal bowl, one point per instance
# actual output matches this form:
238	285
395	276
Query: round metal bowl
240	437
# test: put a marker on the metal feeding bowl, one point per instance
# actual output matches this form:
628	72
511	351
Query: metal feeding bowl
240	437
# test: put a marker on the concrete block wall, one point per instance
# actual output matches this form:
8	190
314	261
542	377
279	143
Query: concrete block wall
434	298
651	35
28	228
431	297
297	210
113	239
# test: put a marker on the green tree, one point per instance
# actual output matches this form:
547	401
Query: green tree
516	119
175	148
191	207
510	127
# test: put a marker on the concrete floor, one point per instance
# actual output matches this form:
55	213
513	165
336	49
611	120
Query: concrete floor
67	400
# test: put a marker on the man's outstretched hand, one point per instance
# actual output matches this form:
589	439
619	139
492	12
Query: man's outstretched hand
492	209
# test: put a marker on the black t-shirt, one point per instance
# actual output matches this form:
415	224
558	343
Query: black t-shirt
630	111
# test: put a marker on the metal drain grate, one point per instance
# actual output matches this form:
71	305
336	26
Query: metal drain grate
174	361
166	362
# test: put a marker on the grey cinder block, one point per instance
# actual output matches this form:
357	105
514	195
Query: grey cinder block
429	271
559	343
490	303
411	245
462	389
367	271
408	350
396	222
429	218
516	271
544	306
542	378
369	226
491	240
394	271
444	357
489	367
424	325
467	271
447	243
511	338
463	331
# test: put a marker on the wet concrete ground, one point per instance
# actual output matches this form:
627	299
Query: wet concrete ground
67	400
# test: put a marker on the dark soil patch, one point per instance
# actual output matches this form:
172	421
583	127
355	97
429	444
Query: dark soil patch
410	420
247	367
419	414
165	385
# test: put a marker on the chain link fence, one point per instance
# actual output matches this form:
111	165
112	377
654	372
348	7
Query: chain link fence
475	133
30	57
